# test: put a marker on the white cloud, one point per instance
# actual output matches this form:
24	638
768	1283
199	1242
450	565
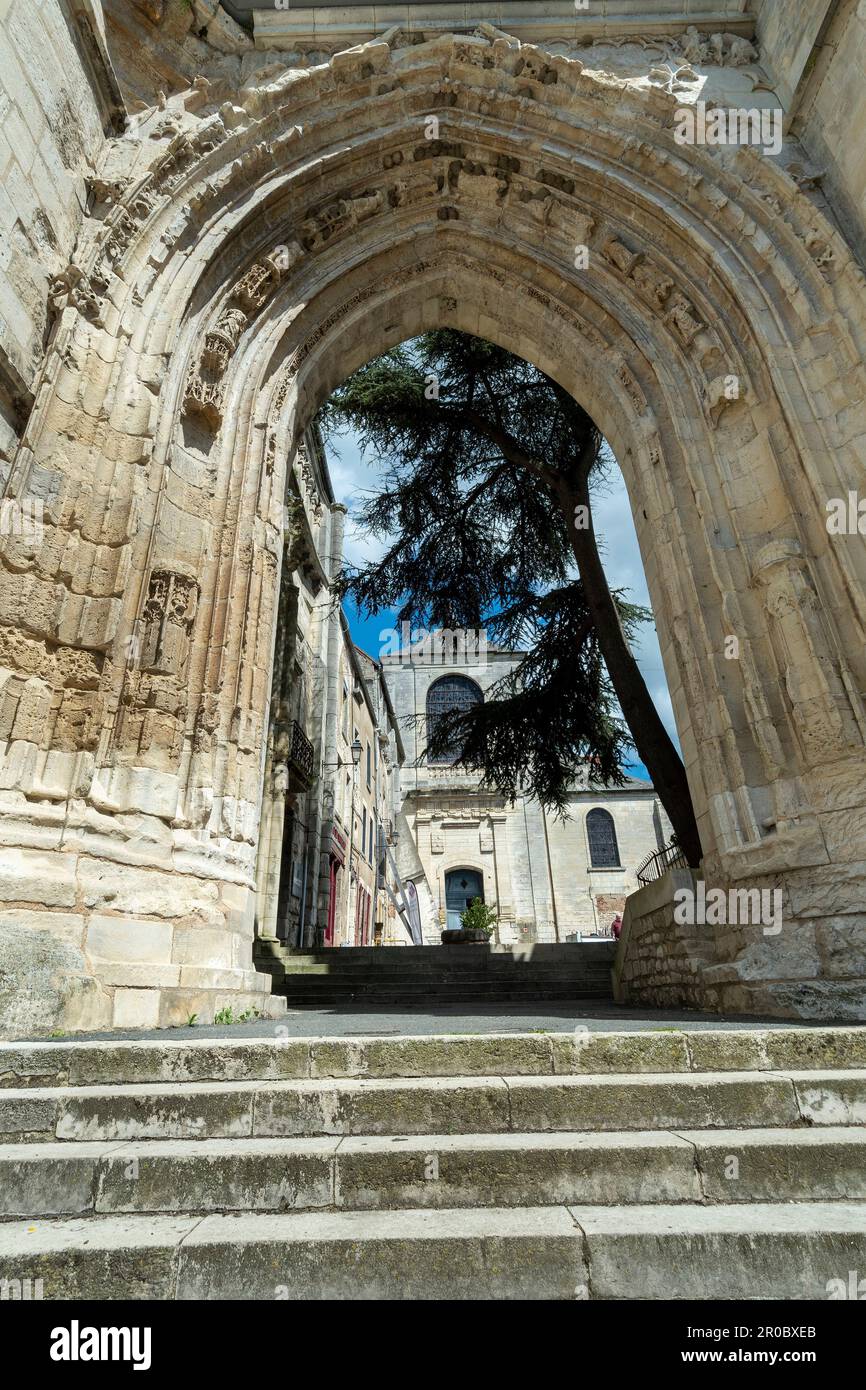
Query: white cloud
353	478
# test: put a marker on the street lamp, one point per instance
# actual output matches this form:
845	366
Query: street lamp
356	759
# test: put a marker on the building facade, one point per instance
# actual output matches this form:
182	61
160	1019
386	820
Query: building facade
308	636
360	800
333	747
548	877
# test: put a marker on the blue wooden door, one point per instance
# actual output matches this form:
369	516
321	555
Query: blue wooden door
461	886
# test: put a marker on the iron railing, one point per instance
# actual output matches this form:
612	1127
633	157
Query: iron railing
656	865
301	755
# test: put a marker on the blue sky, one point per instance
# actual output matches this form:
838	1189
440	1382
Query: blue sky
354	475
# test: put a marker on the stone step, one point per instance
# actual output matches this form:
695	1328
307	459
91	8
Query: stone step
487	965
392	1172
500	966
433	1105
423	1001
428	981
454	979
435	958
429	985
765	1250
422	984
498	971
456	959
280	1057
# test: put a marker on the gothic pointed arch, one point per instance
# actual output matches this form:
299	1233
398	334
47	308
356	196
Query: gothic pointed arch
240	261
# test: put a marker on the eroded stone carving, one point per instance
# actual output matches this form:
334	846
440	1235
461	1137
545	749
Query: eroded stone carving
339	217
652	283
155	694
636	395
405	192
72	288
307	479
204	388
206	722
720	49
475	181
719	395
535	63
619	255
681	317
822	716
167	622
576	224
105	191
820	250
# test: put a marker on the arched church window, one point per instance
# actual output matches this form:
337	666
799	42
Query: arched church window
601	834
448	694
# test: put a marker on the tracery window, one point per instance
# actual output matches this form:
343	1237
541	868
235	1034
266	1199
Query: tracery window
444	696
601	834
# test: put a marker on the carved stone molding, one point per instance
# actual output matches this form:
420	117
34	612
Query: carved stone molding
340	216
719	50
204	391
167	621
815	676
73	288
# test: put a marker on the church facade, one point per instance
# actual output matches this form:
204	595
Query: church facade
547	877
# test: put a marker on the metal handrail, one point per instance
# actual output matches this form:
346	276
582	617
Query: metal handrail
656	865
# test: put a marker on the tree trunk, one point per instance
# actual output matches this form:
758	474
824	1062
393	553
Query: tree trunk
651	739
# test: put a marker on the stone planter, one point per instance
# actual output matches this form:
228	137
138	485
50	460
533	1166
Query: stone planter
459	937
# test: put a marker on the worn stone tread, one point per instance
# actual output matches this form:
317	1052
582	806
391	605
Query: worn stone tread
127	1061
427	1171
420	1105
674	1252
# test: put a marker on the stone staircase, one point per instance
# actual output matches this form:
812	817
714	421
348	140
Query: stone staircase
420	977
654	1165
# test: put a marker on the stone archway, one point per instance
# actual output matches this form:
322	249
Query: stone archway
236	270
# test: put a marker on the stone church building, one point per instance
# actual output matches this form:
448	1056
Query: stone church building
548	877
211	214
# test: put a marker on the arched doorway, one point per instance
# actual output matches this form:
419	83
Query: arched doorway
697	331
461	886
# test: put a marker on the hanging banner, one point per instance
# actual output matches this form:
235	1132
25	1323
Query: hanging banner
414	912
410	917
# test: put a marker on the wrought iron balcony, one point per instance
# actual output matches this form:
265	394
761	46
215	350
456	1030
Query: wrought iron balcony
300	759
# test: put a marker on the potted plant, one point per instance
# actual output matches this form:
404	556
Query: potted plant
476	926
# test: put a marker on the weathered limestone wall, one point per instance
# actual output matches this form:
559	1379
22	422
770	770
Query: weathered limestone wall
658	963
663	962
58	101
830	116
787	33
588	897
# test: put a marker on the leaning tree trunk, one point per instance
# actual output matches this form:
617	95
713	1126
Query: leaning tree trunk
651	739
649	735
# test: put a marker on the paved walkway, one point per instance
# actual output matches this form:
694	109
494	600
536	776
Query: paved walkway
597	1016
